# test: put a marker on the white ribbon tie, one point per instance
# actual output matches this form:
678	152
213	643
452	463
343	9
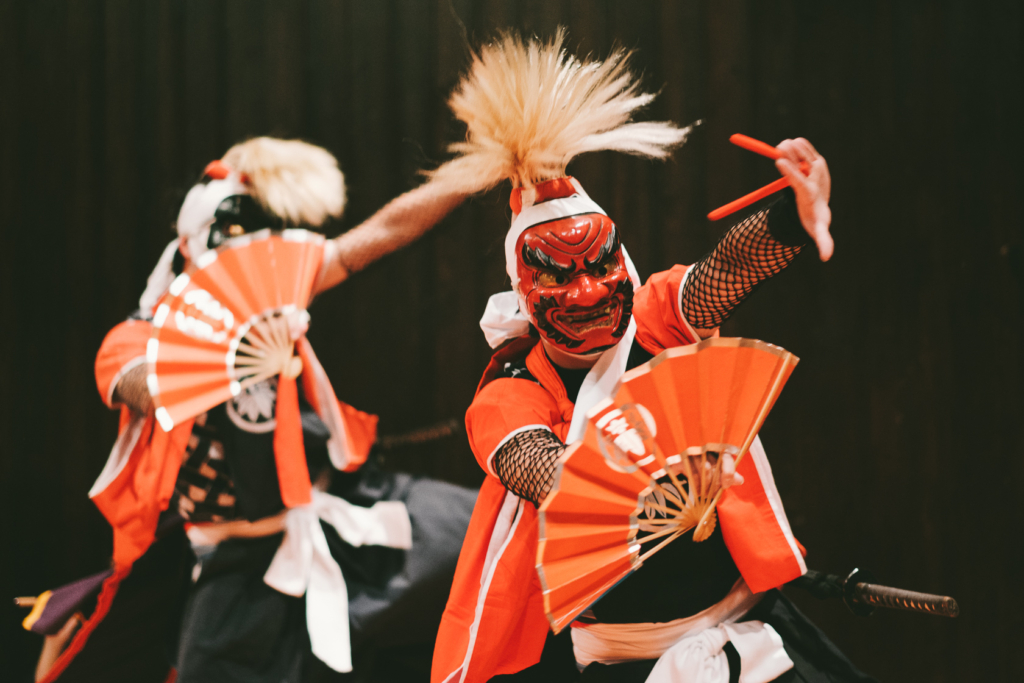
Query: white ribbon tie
304	564
700	658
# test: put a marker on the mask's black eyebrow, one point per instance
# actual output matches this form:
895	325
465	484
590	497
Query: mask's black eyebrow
535	258
610	246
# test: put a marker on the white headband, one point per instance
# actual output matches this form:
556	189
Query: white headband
545	212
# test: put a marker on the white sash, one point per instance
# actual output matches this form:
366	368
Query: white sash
689	650
600	381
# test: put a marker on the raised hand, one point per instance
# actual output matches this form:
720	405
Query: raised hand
812	190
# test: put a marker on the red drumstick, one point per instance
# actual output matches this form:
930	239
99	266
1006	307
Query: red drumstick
755	146
764	149
747	200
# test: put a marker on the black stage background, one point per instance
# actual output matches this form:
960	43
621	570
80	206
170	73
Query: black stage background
897	443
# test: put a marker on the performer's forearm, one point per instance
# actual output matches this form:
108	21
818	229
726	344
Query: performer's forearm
131	390
747	255
525	464
400	222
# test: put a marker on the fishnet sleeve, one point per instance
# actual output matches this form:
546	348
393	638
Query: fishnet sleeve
525	464
747	255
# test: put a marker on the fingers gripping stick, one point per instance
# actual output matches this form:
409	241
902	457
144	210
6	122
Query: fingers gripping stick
764	150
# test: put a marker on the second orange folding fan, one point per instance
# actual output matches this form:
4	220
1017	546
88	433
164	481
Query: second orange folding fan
222	326
649	467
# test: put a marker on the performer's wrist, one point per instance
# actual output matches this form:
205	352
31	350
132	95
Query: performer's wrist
784	221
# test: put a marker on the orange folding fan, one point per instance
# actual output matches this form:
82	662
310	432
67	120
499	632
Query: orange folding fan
648	468
222	325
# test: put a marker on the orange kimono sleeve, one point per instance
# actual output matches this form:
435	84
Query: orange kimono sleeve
504	408
659	317
122	349
361	429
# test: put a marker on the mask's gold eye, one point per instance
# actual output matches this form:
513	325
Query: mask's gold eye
235	230
546	279
606	267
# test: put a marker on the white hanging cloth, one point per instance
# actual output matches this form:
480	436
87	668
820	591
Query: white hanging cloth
304	565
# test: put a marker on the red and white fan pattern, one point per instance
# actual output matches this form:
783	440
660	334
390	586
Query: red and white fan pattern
224	323
650	465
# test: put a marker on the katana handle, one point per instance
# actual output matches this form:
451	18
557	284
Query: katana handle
896	598
861	595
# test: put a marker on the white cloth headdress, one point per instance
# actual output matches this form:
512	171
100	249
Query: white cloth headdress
298	182
193	224
503	318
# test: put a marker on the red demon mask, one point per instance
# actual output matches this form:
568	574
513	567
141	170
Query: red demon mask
573	279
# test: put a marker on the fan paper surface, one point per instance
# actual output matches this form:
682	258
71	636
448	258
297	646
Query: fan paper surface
222	325
648	468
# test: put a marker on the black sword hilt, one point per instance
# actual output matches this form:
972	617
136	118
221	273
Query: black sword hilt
912	601
862	596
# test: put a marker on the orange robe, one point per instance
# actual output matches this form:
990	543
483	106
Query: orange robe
137	482
494	622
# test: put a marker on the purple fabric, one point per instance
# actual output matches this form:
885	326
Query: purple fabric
67	600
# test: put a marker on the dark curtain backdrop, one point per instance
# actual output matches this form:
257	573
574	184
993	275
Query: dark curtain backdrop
897	444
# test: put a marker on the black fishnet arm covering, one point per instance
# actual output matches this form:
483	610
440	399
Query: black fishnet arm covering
525	463
748	254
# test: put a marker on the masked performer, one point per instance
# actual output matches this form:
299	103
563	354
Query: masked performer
378	556
578	317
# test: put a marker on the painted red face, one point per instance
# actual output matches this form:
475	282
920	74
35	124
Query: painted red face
573	277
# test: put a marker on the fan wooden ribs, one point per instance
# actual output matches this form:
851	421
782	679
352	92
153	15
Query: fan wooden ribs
649	467
270	351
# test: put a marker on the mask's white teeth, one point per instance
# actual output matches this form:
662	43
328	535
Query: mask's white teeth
585	317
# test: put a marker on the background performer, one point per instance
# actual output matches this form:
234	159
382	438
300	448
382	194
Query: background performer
193	597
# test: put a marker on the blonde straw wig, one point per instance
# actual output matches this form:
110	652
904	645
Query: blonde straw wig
530	108
296	181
